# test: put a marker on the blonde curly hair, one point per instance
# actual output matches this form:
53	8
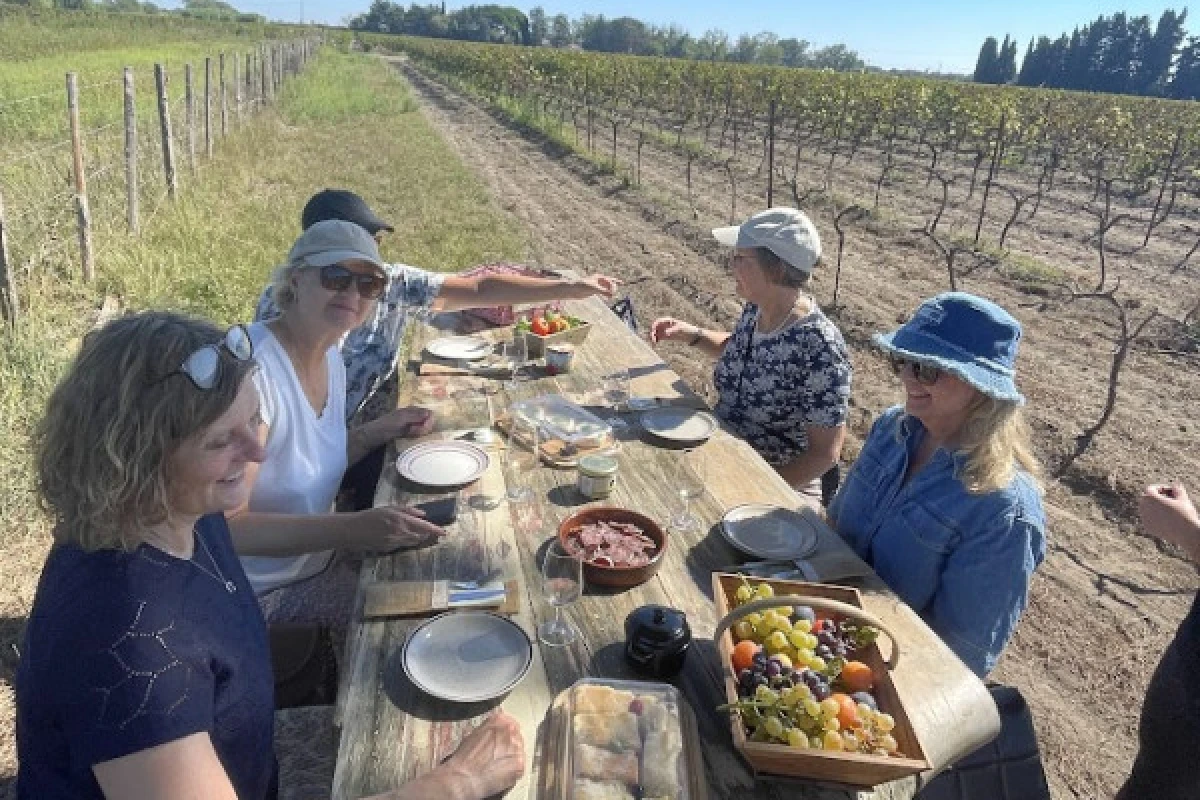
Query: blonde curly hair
996	441
115	419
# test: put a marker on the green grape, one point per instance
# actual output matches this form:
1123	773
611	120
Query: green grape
829	707
804	626
764	591
889	743
833	741
850	740
798	640
774	727
816	741
776	643
765	694
811	707
796	738
743	630
884	722
743	595
817	663
831	724
865	711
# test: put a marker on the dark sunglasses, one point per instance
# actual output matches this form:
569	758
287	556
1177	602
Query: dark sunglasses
924	373
203	366
337	278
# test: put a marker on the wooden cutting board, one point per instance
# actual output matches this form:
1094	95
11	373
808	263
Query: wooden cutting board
554	779
418	598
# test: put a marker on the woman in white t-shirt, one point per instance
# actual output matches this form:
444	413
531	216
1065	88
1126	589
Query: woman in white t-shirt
287	533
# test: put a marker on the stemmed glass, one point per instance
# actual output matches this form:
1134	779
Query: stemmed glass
518	352
689	485
562	584
616	389
520	459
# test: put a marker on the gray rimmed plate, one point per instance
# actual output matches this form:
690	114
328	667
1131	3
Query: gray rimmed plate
467	656
443	465
459	348
769	532
679	425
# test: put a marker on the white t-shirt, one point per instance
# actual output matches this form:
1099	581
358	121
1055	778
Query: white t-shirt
305	454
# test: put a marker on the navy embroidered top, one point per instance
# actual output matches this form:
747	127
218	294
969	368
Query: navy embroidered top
771	386
130	650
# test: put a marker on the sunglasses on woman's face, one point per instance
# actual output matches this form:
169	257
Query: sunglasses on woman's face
925	374
203	366
337	278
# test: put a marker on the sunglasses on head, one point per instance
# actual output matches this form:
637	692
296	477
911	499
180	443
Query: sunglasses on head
337	278
924	373
203	366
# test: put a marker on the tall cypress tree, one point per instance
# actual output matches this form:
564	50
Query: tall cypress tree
1185	84
989	57
1006	63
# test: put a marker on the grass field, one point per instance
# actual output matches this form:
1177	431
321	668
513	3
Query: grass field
349	122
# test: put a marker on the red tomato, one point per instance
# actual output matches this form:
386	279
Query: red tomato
540	327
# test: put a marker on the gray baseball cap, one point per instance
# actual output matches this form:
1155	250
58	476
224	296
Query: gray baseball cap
332	241
786	232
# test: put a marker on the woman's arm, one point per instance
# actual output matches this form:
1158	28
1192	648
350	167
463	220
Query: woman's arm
184	769
711	343
824	449
460	292
408	422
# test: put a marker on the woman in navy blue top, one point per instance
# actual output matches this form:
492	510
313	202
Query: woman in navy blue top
943	500
145	672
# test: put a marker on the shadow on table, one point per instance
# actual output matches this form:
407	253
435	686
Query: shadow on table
710	554
411	700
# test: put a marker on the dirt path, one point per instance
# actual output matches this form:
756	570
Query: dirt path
1105	602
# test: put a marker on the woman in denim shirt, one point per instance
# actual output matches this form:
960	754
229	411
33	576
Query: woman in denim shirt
944	500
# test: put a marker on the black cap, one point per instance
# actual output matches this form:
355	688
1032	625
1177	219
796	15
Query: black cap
343	205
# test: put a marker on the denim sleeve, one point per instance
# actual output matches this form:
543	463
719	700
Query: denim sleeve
413	287
985	588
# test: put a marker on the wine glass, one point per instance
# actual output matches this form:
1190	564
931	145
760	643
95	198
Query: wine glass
562	584
616	389
520	459
518	352
689	485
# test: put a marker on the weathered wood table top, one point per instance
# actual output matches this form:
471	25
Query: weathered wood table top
391	731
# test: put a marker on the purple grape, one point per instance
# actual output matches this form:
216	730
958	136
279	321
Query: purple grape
840	650
865	697
821	692
824	651
759	659
746	679
773	668
760	680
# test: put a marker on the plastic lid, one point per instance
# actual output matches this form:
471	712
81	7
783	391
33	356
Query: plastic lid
598	465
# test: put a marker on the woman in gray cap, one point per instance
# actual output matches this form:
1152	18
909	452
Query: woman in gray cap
783	375
287	532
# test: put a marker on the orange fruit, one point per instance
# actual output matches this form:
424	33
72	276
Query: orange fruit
857	677
743	655
848	715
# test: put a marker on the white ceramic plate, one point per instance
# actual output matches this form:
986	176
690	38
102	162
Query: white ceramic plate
443	464
682	425
458	348
769	532
467	656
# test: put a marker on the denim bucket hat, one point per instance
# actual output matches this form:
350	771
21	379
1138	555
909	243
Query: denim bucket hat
969	337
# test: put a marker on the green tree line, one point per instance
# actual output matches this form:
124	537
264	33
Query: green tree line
598	33
199	9
1119	54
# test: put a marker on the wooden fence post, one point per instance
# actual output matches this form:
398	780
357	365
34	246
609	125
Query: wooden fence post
10	309
224	107
249	78
208	143
164	121
771	155
189	115
83	214
237	89
263	69
131	154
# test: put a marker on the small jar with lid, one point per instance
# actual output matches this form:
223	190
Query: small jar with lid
597	476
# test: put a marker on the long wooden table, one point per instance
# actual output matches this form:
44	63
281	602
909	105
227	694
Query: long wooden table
391	732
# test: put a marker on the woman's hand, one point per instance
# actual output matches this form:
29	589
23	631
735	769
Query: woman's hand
388	528
603	285
1167	512
409	422
491	759
666	328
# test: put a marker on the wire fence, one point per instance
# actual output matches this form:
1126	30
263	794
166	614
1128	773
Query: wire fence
139	139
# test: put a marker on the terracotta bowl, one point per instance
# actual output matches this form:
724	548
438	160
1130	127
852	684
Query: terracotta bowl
618	577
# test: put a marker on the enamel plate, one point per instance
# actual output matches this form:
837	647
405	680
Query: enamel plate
680	425
444	465
459	348
769	532
467	656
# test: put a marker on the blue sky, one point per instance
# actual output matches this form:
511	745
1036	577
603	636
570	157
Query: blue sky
914	34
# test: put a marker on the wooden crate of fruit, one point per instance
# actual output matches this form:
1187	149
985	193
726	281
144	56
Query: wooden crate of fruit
541	331
828	649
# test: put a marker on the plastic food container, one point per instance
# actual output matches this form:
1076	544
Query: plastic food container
559	358
625	739
561	419
597	476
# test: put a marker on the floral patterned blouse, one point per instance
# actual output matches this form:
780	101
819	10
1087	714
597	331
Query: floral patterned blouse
771	386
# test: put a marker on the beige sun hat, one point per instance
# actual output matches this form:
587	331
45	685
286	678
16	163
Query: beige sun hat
332	241
786	232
